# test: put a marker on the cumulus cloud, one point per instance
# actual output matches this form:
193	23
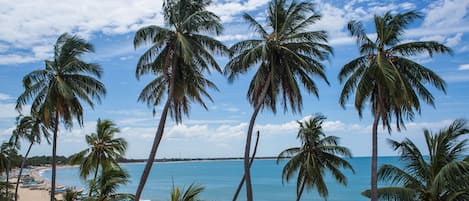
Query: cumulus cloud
447	13
34	25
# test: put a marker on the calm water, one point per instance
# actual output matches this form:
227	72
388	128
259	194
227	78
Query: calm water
222	177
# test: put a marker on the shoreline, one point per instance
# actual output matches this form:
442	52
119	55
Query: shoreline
41	193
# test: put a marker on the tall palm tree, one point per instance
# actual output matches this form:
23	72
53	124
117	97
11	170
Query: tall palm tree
190	194
385	77
283	57
32	129
107	184
58	90
104	150
318	153
442	175
179	56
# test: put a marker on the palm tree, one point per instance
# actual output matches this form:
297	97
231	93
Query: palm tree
179	56
190	194
443	175
318	153
104	150
33	130
283	57
107	184
385	76
8	157
57	90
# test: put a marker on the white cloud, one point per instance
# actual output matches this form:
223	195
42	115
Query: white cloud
227	11
447	13
463	67
453	41
8	110
4	97
34	25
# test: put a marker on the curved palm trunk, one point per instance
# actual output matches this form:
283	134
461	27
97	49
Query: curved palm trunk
374	159
298	196
23	162
247	150
240	185
54	158
156	143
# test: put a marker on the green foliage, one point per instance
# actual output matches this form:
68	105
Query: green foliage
190	194
443	175
288	55
106	185
180	55
384	75
318	153
45	160
104	149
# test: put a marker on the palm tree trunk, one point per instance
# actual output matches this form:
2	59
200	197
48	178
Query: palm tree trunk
54	154
247	172
240	185
7	174
94	178
298	196
21	170
374	158
156	143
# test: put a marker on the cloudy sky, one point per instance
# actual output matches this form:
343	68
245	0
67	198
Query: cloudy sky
30	28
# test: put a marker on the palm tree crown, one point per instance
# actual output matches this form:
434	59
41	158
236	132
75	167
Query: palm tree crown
443	175
104	149
318	153
384	75
283	57
65	81
180	55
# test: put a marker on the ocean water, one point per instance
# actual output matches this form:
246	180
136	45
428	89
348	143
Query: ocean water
220	179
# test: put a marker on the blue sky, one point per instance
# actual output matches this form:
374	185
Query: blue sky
30	28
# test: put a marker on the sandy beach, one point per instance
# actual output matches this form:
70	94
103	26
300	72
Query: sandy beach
27	194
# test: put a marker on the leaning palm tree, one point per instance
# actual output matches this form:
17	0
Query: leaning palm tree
57	90
104	150
107	184
442	175
179	57
318	153
385	77
32	129
190	194
283	57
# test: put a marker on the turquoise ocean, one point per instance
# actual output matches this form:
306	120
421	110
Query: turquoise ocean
220	179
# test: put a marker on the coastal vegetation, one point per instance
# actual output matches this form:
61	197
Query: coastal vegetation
58	90
386	78
285	56
318	153
178	57
442	175
103	152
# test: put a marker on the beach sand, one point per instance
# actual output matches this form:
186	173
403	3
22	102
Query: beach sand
26	194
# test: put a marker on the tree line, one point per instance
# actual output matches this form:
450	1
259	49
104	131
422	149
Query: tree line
286	57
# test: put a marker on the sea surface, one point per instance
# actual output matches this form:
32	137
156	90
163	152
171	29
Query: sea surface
220	179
